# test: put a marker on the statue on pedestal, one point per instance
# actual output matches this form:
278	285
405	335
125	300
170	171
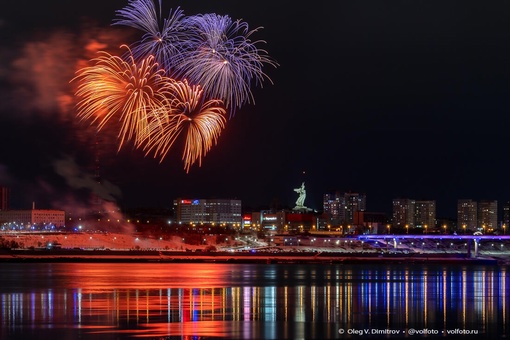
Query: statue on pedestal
300	203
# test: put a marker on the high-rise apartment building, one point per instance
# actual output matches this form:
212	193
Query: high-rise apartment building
506	215
343	207
425	214
410	213
488	214
334	207
5	196
403	212
467	214
354	203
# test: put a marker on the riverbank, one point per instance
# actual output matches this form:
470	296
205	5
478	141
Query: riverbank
79	255
117	247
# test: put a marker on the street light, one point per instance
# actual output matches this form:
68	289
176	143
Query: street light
407	228
444	226
388	226
425	228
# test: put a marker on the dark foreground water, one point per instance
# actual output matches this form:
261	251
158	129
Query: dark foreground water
252	301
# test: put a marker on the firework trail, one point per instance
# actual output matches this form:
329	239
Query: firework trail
163	39
127	89
221	58
188	113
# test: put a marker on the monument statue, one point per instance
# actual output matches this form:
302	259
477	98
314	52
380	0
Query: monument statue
300	203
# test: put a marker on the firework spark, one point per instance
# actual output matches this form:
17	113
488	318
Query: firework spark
188	113
127	89
162	38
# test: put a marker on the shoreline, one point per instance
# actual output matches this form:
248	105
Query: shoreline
93	256
114	247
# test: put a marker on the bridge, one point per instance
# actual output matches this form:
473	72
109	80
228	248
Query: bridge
472	241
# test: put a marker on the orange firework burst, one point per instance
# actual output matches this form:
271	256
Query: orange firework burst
201	120
128	89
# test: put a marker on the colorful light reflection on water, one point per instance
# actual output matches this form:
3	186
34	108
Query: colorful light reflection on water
248	301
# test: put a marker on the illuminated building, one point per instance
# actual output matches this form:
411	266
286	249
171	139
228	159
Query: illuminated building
342	208
506	214
467	214
33	218
284	221
4	198
472	215
269	221
403	212
208	211
334	207
425	214
246	224
410	213
354	203
487	214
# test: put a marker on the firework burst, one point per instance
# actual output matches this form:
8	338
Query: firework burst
221	57
127	89
162	38
188	113
176	83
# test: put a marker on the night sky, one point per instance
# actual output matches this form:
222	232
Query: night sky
387	98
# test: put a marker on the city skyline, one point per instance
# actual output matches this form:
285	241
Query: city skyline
341	207
390	99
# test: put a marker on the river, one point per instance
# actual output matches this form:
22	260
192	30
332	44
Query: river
252	301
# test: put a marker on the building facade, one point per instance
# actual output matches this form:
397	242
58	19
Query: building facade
269	221
467	214
343	207
506	216
354	203
334	207
410	214
487	215
425	214
35	218
217	211
403	212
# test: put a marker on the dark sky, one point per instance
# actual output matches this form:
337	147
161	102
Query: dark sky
388	98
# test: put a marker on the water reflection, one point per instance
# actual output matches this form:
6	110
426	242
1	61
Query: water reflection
247	301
